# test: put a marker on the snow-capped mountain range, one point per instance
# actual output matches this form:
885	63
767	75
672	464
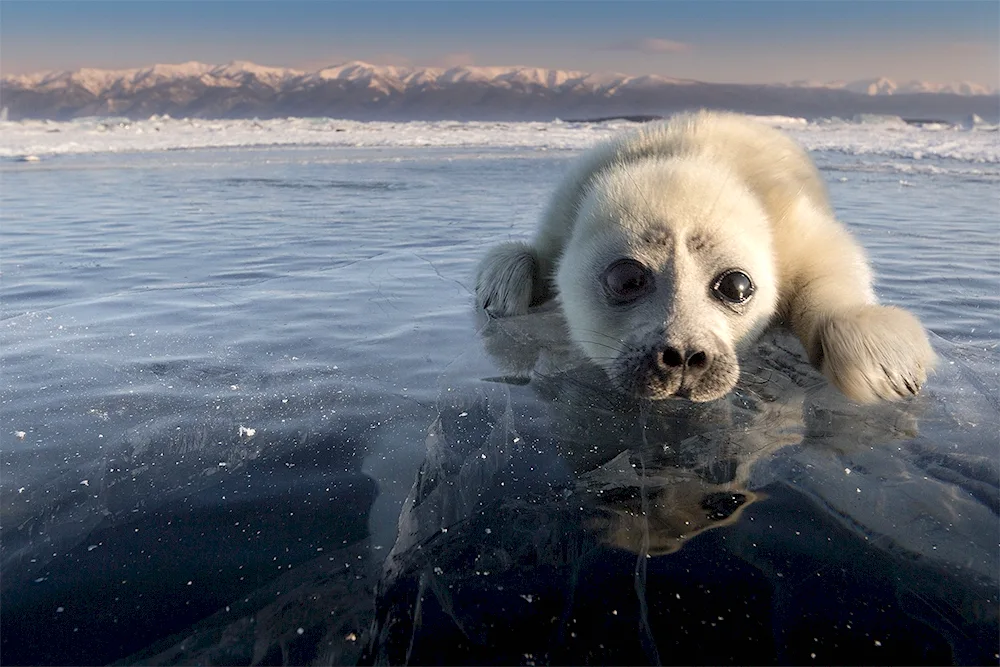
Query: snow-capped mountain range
363	91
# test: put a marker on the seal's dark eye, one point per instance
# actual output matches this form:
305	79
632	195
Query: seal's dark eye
733	286
626	280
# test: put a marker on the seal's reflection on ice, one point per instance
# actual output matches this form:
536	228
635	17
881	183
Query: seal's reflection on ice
556	521
661	472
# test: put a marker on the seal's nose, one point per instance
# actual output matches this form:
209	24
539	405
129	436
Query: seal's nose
691	361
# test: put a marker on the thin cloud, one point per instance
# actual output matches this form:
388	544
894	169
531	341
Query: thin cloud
461	59
390	59
971	48
649	45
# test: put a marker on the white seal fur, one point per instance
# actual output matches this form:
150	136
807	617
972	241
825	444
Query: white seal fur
672	248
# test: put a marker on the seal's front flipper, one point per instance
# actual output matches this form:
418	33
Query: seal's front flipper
873	352
506	279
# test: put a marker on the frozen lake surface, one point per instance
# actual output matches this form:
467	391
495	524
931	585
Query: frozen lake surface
238	374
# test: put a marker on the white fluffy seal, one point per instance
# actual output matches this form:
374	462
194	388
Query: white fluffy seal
672	248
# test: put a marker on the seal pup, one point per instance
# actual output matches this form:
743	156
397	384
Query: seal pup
672	248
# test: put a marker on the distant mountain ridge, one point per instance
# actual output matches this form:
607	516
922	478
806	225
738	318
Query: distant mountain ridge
360	90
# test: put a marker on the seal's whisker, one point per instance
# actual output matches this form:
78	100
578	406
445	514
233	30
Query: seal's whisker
718	198
614	352
601	344
601	333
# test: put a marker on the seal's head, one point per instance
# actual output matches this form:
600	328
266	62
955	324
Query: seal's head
668	275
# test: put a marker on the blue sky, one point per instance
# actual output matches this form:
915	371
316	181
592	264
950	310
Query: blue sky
747	41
